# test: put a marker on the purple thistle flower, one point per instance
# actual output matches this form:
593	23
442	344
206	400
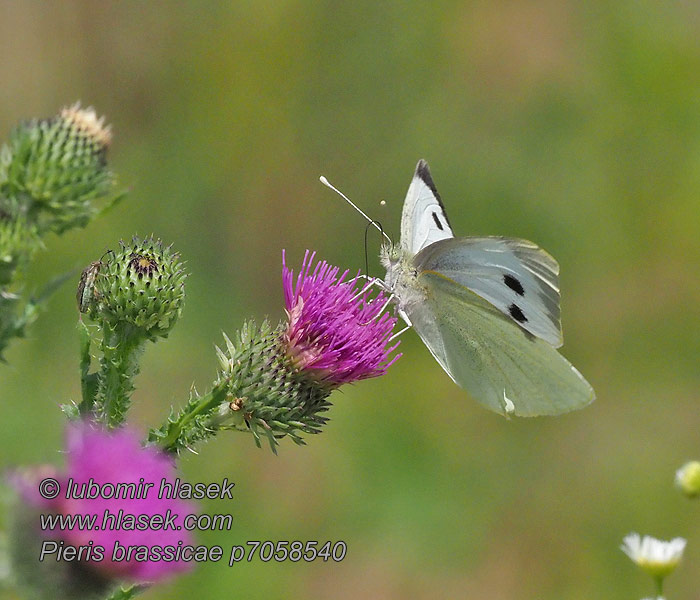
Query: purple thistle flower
336	332
274	382
114	457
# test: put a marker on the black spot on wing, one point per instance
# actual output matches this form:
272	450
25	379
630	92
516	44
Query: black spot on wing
517	314
423	172
437	222
514	284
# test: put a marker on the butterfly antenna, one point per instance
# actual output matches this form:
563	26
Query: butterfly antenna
327	183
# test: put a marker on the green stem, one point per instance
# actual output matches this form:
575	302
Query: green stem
122	346
185	428
659	581
88	381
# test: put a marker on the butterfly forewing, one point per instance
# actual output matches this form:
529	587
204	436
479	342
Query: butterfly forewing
423	220
515	276
504	367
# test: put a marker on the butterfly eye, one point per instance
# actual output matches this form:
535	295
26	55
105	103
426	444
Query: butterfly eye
514	285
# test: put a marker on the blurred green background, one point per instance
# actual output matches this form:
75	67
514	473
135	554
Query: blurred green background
574	125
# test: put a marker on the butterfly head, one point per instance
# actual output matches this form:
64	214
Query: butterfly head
391	259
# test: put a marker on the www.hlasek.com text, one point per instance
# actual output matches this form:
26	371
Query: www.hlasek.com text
124	521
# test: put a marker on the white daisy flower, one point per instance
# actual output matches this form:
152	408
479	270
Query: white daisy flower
656	557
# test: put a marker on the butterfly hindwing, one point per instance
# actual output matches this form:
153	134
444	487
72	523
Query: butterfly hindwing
517	277
505	368
423	220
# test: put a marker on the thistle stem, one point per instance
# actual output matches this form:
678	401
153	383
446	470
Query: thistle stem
88	381
185	428
122	346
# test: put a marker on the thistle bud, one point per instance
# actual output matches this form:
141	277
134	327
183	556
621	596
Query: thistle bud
265	393
140	285
54	169
134	294
688	479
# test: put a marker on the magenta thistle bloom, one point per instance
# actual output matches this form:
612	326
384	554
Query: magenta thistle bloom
274	382
335	332
117	457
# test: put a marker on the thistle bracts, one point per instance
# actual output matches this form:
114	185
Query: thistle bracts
46	579
258	390
140	285
134	294
54	170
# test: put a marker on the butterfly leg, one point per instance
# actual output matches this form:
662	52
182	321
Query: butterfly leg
386	303
374	281
398	333
371	282
381	310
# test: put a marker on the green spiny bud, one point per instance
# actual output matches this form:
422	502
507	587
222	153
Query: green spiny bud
134	294
688	479
54	169
267	394
140	285
258	390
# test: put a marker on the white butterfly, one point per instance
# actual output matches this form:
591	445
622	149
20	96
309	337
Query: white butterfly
487	308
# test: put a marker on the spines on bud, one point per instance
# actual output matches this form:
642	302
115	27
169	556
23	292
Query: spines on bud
134	294
56	168
258	390
269	396
142	285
